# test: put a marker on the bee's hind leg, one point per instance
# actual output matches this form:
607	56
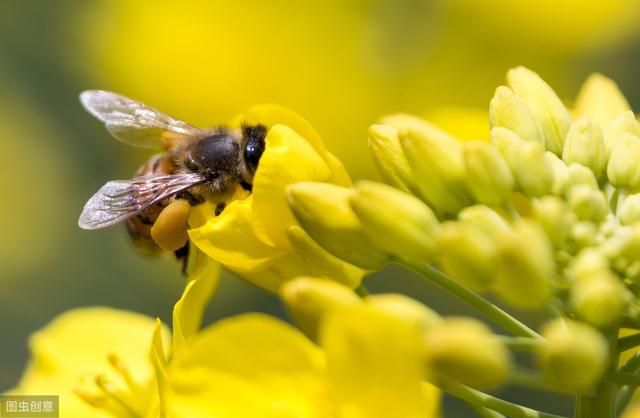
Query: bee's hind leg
219	208
182	255
193	199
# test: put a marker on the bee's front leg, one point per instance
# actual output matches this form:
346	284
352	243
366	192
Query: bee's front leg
219	208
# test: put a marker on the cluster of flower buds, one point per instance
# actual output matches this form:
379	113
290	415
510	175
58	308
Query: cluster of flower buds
544	215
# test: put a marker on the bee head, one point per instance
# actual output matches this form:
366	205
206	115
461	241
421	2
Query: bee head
254	140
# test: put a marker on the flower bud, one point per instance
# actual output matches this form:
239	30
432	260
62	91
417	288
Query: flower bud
468	254
625	123
488	176
583	233
588	204
405	309
584	145
465	350
318	262
623	169
324	212
543	103
395	221
533	172
629	212
578	174
484	218
588	261
509	111
308	299
600	99
599	298
507	143
169	230
436	161
560	173
633	411
525	266
389	158
574	356
555	217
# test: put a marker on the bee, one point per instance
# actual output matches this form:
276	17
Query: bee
196	165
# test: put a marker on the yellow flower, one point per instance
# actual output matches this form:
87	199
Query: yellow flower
102	354
368	365
256	236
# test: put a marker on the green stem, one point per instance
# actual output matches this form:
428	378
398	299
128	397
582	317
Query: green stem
602	404
501	317
625	393
521	343
535	380
484	400
628	342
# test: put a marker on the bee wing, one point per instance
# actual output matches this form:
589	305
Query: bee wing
121	199
134	122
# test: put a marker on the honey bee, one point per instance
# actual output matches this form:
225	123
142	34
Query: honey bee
196	165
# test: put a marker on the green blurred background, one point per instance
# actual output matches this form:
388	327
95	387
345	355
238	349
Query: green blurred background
341	64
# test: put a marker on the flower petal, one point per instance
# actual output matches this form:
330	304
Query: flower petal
230	240
288	159
365	345
600	100
271	115
187	313
249	365
75	346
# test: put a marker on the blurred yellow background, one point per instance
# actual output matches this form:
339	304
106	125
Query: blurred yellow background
341	64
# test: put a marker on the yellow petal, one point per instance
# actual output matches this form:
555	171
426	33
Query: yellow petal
230	239
271	115
600	100
249	365
374	364
74	348
188	311
288	159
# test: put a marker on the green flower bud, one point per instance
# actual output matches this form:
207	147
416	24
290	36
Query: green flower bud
324	212
629	211
468	254
574	356
464	349
308	299
543	103
436	161
555	217
625	123
484	218
389	158
319	262
599	298
525	266
488	176
560	173
508	143
600	99
588	261
405	309
584	145
533	172
588	204
509	111
578	174
584	233
395	221
623	169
